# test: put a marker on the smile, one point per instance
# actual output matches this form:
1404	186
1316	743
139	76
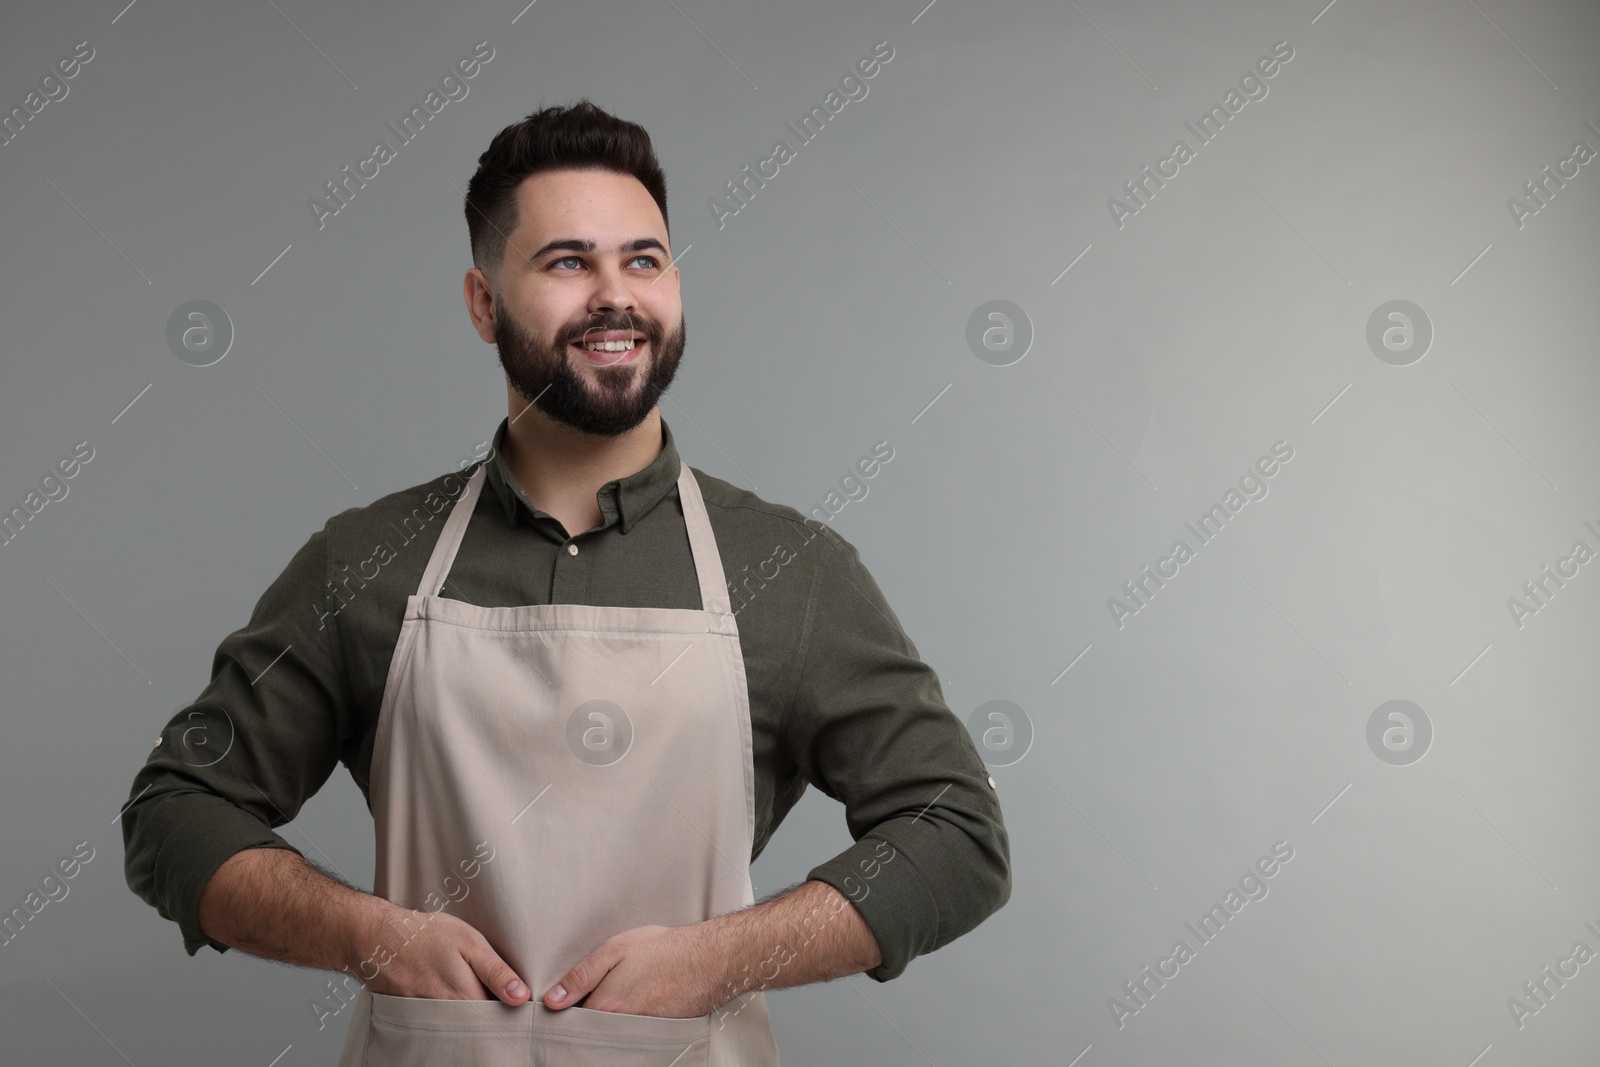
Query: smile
611	352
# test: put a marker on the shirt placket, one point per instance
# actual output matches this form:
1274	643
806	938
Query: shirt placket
569	583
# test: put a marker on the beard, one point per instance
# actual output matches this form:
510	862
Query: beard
616	400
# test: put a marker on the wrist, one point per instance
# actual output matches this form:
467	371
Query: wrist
711	946
357	930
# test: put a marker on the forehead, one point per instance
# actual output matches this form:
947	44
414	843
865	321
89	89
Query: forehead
597	204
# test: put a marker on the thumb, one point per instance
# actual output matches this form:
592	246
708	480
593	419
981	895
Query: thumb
581	980
497	975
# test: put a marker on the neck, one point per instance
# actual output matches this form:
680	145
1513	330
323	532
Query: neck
561	469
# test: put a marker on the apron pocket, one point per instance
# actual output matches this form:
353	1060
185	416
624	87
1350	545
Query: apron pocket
586	1037
420	1032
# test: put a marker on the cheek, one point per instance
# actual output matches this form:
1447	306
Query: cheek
662	308
543	316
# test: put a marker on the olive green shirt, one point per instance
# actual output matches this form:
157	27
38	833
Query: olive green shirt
839	697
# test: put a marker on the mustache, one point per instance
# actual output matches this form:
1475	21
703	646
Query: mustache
648	327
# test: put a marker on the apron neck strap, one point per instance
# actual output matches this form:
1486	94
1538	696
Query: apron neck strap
707	560
455	527
702	543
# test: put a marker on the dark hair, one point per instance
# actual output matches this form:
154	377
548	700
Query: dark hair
579	137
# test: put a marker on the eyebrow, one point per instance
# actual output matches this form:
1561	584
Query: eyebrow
577	244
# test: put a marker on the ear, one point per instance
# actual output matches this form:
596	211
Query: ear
477	290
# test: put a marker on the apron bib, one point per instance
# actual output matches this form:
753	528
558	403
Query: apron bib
554	774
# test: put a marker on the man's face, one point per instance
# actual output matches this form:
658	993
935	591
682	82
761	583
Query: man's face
588	261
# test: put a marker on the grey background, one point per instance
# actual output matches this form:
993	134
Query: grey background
1230	313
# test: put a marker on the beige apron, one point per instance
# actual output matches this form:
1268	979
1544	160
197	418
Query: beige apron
554	774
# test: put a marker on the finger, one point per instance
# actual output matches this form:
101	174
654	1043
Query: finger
465	984
584	976
497	975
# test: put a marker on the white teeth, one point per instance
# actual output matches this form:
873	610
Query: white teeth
610	346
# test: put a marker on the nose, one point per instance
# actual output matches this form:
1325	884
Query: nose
611	291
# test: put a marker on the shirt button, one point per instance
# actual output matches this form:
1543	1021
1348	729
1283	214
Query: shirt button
572	549
991	781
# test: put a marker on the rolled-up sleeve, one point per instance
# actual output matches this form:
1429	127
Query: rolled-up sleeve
870	728
260	739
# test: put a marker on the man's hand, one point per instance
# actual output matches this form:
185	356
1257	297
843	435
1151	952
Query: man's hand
809	933
432	955
650	970
274	903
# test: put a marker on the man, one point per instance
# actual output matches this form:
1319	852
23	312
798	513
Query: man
571	741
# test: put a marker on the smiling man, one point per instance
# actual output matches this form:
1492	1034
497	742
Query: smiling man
571	748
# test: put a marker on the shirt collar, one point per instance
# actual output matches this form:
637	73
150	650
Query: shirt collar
623	500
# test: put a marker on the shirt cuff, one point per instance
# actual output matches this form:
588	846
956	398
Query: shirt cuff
890	895
198	832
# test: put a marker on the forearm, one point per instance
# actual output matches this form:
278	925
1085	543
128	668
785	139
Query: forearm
271	902
812	933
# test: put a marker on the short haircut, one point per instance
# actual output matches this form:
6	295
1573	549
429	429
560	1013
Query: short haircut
579	137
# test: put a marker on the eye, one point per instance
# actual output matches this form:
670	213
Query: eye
564	259
648	259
